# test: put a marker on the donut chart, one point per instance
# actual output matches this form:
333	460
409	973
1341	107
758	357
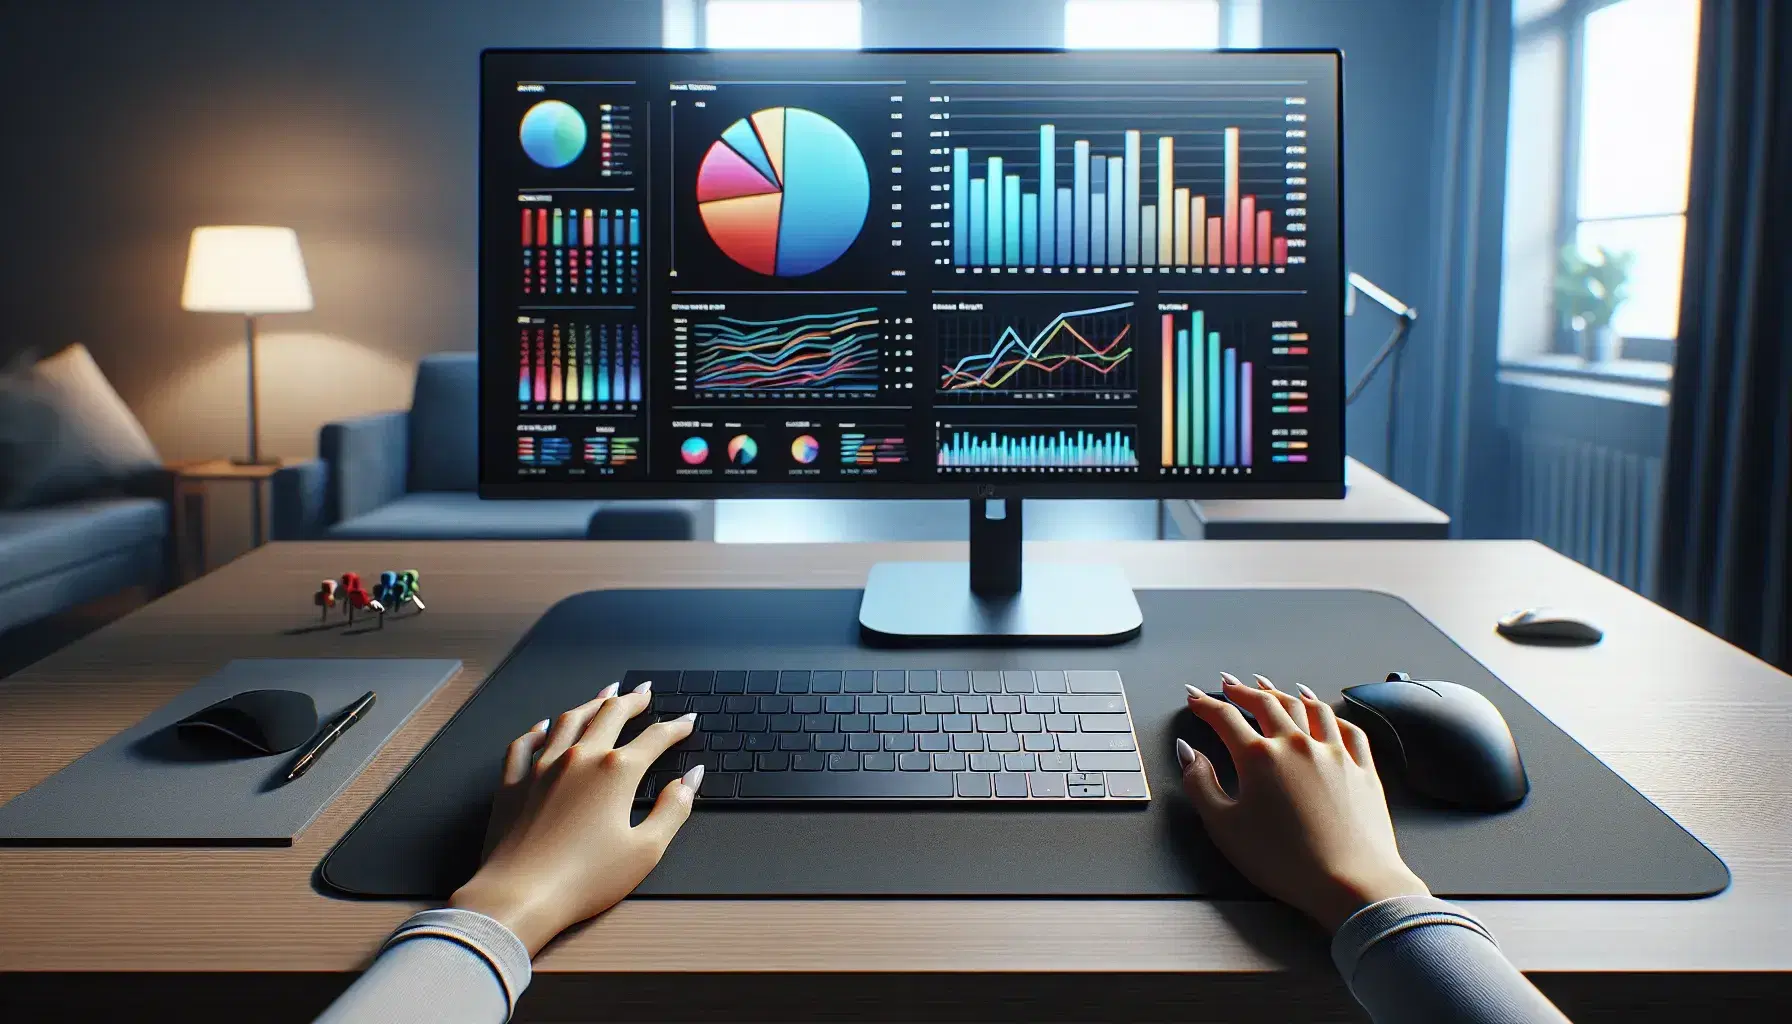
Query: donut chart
784	192
553	133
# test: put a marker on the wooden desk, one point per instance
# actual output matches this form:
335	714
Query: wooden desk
1695	724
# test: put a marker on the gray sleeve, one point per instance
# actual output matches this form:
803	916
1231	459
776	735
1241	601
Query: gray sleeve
439	967
1419	960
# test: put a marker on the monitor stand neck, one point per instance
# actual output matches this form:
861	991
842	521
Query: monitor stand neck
994	599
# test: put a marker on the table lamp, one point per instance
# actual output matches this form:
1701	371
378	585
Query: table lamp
249	271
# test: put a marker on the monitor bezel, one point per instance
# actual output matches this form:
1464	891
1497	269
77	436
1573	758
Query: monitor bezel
1090	487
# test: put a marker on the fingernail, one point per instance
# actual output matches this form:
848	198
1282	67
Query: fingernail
693	779
1263	684
541	726
1229	679
1193	694
688	717
1185	754
610	690
646	687
1306	691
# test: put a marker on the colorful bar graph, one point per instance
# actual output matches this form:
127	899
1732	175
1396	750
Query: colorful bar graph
575	364
1048	191
1037	448
1080	200
961	188
1131	226
570	251
1207	396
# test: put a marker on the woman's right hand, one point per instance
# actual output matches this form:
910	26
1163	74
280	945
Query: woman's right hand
1310	823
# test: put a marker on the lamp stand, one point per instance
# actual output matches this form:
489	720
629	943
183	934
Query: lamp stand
254	457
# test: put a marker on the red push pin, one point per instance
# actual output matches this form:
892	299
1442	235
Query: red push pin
325	599
360	600
351	582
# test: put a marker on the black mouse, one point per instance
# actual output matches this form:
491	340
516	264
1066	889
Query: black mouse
264	721
1445	740
1540	626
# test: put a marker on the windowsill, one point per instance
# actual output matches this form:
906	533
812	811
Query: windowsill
1639	381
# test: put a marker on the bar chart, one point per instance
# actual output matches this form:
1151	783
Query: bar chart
1035	447
869	448
1081	354
1208	397
583	252
1120	178
578	367
609	451
545	451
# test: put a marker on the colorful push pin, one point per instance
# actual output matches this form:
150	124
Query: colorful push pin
386	590
351	582
358	600
325	599
412	588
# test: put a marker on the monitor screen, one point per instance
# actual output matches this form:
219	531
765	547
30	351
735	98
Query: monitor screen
911	273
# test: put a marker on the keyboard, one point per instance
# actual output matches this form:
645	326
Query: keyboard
1044	736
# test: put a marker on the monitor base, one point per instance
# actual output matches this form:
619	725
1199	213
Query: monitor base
917	604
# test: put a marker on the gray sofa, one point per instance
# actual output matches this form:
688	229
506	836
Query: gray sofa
59	556
413	475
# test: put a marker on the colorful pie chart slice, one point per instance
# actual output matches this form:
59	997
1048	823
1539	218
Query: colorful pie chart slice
805	449
742	449
784	192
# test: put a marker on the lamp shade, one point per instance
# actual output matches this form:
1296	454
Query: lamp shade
245	270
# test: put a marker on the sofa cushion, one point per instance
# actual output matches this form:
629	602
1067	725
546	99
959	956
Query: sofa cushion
459	515
444	424
38	541
65	434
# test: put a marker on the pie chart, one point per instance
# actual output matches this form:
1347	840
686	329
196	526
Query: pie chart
784	192
553	133
743	449
804	449
694	451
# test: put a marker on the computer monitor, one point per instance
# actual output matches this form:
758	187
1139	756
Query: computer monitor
880	273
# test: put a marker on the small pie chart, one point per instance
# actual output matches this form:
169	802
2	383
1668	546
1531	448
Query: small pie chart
553	133
784	192
805	449
743	449
694	451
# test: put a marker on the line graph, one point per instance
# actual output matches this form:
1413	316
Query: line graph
823	352
1078	354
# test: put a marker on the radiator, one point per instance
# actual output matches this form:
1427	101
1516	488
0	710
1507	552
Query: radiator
1598	505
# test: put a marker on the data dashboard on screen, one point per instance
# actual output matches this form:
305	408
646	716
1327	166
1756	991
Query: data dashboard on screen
883	272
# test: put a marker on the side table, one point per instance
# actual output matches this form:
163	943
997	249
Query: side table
191	494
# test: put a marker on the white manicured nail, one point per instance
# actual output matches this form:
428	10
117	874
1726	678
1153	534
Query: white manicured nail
1193	693
1230	678
541	726
693	779
646	687
610	690
1306	691
1185	754
1263	683
689	717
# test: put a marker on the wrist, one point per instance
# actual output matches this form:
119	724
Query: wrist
1349	895
521	910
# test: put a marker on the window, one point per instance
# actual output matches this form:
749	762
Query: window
1597	157
1160	24
782	24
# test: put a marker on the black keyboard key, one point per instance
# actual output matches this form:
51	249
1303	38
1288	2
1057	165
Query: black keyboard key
818	723
762	682
752	723
892	680
855	723
1091	705
986	762
1005	704
731	682
1126	784
824	682
887	723
874	705
863	741
830	741
939	704
934	741
808	761
692	742
706	704
880	762
860	681
1060	723
956	723
923	681
914	762
847	762
805	705
696	682
774	706
1037	741
948	762
1020	762
761	741
718	784
1094	682
725	741
986	682
710	760
740	705
793	682
1096	741
922	723
1011	785
737	761
1050	682
898	741
1106	723
715	723
837	705
1107	761
1040	703
1056	763
907	704
891	785
977	705
1025	723
973	785
774	761
787	723
670	703
1046	784
1003	741
1017	681
793	741
967	741
955	681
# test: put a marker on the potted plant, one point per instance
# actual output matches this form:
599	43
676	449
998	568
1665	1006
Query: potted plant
1588	294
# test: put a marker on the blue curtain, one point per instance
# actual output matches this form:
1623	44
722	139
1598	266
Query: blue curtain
1726	545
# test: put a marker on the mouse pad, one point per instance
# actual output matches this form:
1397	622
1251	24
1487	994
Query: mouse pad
1583	832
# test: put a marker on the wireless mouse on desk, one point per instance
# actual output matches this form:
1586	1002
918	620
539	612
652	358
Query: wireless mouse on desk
1541	626
263	721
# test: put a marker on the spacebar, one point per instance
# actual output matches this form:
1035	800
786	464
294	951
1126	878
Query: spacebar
845	785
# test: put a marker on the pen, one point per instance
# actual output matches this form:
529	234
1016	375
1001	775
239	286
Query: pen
326	736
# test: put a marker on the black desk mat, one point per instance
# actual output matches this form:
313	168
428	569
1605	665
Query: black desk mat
1583	832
